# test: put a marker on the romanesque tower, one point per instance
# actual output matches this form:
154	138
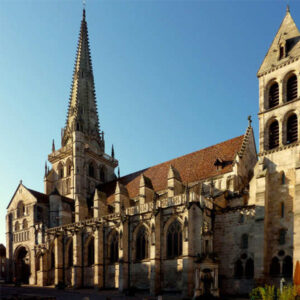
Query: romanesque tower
277	180
81	163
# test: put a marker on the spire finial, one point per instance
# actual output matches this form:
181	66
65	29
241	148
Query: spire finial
118	172
83	12
112	151
287	8
46	168
249	121
53	146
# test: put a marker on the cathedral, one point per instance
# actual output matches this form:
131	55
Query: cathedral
220	220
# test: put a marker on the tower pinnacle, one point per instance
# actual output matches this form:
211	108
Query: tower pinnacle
82	112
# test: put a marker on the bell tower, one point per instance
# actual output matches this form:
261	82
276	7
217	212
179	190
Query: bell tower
81	163
279	90
277	174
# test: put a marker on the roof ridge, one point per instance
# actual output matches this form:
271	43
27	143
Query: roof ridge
167	161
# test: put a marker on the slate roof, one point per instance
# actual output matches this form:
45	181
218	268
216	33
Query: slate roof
192	167
45	198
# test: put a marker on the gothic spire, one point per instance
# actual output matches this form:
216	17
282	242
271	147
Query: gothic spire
82	112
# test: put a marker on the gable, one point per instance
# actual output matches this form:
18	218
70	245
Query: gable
289	33
21	194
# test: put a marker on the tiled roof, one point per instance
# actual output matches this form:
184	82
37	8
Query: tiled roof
192	167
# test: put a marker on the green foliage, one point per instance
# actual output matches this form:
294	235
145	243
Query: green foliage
289	292
263	293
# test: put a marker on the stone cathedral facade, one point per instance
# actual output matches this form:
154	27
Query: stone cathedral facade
219	220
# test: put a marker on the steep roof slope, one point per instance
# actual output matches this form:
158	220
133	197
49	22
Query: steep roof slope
289	32
191	167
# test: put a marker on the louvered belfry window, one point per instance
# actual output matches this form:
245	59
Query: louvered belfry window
292	129
274	135
274	95
291	88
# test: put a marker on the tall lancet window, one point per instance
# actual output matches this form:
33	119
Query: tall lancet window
174	240
142	244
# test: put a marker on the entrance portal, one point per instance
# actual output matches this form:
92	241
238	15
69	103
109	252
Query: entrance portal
22	265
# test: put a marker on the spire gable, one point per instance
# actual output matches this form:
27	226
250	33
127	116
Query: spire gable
285	45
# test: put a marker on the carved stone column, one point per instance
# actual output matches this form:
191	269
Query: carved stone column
124	256
32	278
43	269
77	259
58	273
155	253
99	252
261	221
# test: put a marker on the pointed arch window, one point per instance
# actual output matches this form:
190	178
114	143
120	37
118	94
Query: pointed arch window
102	174
249	268
91	170
238	269
142	244
275	267
274	95
274	135
292	129
291	88
287	267
174	240
91	252
114	248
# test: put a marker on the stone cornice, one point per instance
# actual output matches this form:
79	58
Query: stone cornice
278	106
291	60
280	148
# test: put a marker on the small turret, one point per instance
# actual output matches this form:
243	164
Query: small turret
146	191
46	169
175	185
112	152
100	207
53	146
121	197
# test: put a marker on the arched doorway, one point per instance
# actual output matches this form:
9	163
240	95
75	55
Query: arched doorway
22	265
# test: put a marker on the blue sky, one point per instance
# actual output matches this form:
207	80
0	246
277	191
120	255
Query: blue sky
171	77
